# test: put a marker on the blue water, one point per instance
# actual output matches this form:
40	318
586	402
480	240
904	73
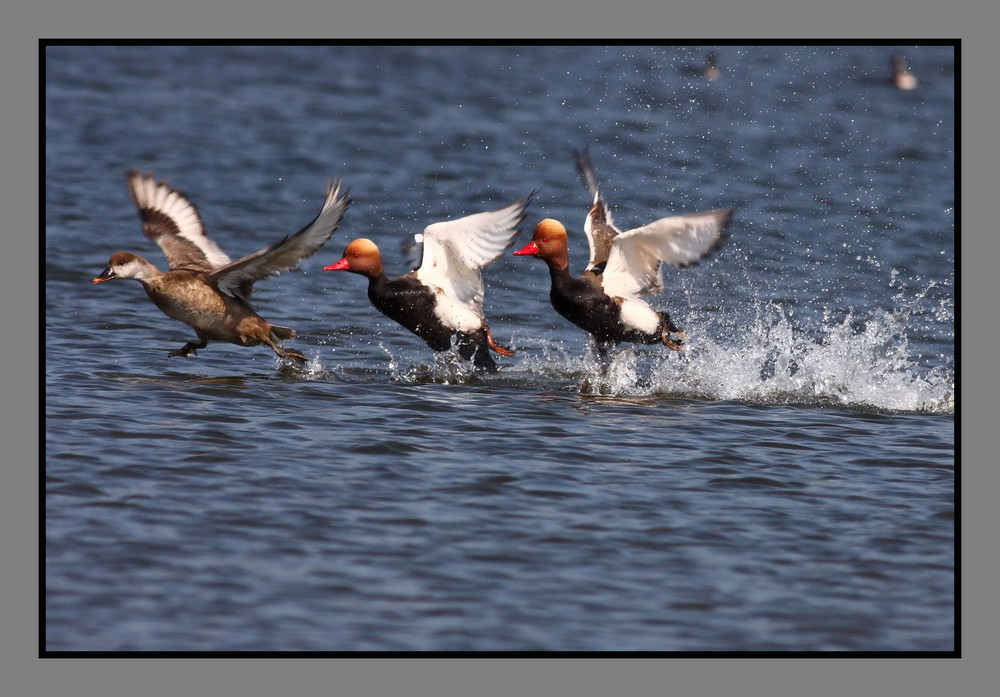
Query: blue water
786	483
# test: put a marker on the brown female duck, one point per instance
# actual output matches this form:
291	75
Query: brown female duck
202	287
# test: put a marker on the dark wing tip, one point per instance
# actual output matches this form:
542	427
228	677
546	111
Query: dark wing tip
334	186
523	204
585	167
725	218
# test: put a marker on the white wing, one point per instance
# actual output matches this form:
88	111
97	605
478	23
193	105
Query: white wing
456	250
598	225
173	222
600	230
634	265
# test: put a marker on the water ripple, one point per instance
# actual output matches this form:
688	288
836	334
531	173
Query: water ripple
785	483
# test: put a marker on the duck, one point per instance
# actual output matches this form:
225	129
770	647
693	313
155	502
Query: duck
441	301
710	70
901	75
606	299
202	287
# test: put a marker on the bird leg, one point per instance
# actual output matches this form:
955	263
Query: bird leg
288	353
188	349
674	340
502	350
670	334
293	354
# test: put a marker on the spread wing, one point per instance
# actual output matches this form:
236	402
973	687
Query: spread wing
237	278
456	250
598	225
634	265
601	233
173	222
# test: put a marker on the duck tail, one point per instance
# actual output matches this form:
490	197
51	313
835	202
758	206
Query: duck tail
279	334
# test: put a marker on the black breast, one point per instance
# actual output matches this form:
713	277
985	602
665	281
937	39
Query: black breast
584	303
410	303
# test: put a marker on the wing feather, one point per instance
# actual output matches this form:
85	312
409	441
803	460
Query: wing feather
455	251
598	225
237	278
635	263
173	222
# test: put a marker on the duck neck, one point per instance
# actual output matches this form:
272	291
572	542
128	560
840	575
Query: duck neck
377	281
148	275
558	264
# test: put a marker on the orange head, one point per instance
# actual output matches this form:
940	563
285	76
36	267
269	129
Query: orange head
360	256
550	243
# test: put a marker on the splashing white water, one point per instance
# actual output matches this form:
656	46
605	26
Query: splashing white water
775	362
771	355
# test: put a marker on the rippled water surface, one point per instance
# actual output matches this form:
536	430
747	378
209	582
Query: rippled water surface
786	483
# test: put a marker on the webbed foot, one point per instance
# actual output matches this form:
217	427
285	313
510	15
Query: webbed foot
502	350
670	334
674	341
188	349
288	353
292	354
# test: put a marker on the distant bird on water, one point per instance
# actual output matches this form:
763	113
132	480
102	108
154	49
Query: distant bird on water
901	75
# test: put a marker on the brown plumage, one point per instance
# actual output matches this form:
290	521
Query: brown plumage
202	287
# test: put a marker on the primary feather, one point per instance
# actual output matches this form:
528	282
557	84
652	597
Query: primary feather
455	251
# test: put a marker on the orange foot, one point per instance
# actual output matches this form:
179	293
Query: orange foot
673	340
502	350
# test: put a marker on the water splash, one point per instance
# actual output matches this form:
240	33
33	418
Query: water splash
865	364
894	360
446	367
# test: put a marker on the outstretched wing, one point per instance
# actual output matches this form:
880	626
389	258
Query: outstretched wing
237	278
634	265
456	250
598	225
173	222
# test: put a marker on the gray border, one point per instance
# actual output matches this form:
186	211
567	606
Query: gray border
25	674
